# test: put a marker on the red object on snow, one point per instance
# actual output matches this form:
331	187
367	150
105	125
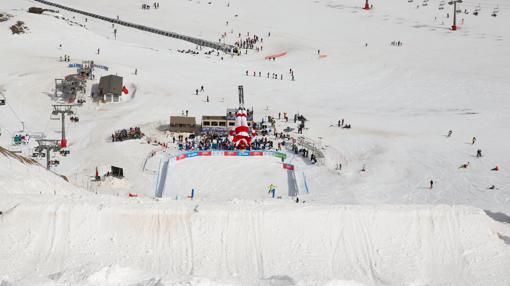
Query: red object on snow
288	167
132	195
97	172
63	143
367	7
125	90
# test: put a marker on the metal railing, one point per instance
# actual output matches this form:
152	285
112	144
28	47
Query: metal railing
214	45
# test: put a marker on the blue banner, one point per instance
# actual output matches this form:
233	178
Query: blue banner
75	66
101	67
192	154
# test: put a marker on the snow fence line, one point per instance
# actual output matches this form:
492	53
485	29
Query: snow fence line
163	168
214	45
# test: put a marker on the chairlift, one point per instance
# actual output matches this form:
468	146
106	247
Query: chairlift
2	100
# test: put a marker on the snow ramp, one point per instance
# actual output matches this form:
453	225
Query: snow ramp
247	244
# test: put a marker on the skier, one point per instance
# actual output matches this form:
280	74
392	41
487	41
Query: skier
363	169
449	133
186	112
201	88
473	141
196	91
136	71
492	187
208	98
478	153
297	200
98	51
431	184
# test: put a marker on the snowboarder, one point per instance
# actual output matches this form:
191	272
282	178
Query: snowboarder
492	187
449	133
495	168
464	166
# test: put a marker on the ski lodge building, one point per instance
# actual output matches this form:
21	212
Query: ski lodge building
110	88
221	124
183	124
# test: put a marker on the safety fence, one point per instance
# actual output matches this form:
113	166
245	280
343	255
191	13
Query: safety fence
163	169
214	45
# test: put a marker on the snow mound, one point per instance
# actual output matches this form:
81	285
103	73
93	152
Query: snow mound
21	175
278	243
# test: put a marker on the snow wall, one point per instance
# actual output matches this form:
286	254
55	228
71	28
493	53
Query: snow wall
250	243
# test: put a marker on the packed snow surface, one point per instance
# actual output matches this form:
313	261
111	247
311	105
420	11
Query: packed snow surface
384	226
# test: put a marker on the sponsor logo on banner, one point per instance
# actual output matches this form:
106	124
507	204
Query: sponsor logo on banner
180	157
192	154
75	66
230	153
217	153
101	67
205	153
243	153
256	153
288	167
280	155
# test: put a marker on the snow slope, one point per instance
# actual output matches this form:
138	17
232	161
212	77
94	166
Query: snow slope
380	227
251	244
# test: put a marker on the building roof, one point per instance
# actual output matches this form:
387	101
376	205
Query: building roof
184	120
213	117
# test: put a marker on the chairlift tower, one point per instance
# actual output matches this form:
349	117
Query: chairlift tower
47	145
63	109
454	3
